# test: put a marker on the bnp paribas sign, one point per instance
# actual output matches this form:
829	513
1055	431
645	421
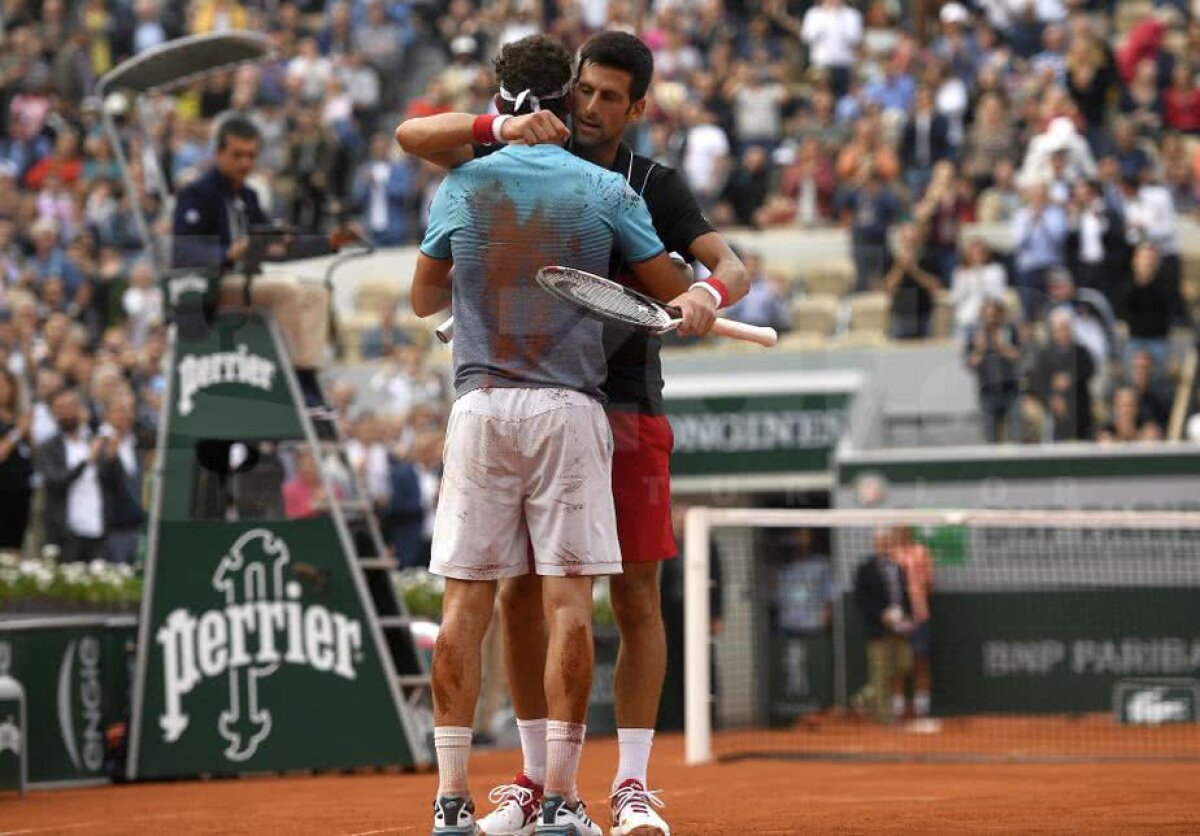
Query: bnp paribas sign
258	656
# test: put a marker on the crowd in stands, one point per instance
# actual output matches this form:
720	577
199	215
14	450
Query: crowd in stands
902	120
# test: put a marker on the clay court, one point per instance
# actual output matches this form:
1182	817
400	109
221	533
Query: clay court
744	797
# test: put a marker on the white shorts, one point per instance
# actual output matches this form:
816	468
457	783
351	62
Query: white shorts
522	467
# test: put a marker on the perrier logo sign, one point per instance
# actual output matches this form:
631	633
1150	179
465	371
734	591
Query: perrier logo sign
197	372
265	623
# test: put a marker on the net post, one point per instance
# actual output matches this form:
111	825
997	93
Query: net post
697	648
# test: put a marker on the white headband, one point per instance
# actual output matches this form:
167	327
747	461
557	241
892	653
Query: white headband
535	103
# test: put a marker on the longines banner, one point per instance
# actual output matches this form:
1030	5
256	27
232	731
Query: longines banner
74	671
763	424
259	656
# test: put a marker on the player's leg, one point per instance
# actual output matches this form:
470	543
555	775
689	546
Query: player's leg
524	628
921	642
479	538
642	496
572	525
466	612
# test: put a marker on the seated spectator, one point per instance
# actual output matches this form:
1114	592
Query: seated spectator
1142	101
977	279
1181	101
993	352
408	383
766	302
869	210
911	283
1039	243
806	190
1126	422
1146	306
1154	389
1061	381
1094	325
894	90
381	340
304	494
999	202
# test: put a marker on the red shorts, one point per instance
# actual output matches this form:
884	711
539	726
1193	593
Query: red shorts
641	482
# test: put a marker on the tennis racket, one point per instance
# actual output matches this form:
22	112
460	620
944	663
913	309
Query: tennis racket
609	301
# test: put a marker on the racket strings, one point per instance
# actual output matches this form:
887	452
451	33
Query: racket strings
612	301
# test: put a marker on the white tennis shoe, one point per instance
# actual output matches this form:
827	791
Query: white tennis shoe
633	812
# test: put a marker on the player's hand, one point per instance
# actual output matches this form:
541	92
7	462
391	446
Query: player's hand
539	128
699	310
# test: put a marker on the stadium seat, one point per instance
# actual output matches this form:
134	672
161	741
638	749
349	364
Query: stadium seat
802	341
835	278
815	315
865	319
373	296
942	326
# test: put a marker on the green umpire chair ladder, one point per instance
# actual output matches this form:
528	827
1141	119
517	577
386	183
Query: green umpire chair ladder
14	741
265	644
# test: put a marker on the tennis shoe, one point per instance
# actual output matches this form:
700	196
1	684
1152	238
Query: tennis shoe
557	818
633	812
453	816
517	808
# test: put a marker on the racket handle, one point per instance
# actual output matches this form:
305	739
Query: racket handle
766	337
445	331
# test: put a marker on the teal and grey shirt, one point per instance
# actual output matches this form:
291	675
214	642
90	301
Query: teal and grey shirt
503	217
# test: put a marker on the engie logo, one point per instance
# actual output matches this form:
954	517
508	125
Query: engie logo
199	371
1151	704
81	703
264	624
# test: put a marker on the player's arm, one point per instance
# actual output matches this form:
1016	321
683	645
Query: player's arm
430	292
448	139
659	275
685	229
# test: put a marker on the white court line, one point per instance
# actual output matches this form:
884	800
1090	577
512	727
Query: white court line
58	828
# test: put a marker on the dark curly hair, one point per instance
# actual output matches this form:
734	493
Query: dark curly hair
539	64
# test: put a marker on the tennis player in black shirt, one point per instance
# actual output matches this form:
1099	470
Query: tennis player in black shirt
610	93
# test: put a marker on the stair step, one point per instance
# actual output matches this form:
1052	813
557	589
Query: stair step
376	563
414	680
394	622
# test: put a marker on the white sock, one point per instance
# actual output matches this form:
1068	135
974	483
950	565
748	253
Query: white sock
533	748
453	744
564	745
921	703
634	747
897	705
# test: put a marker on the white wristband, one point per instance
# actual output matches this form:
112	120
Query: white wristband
497	124
716	294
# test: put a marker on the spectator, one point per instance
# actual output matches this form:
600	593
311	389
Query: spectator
1061	381
121	478
1128	424
1090	76
1095	239
914	558
941	212
976	280
309	165
304	493
895	90
408	383
1040	237
706	154
1150	217
925	143
1147	306
1093	323
833	31
804	588
380	341
69	467
382	192
999	202
142	302
16	465
1181	102
869	211
746	190
881	594
758	100
1153	388
367	454
911	283
1132	158
993	354
989	142
1142	100
1059	138
957	47
766	303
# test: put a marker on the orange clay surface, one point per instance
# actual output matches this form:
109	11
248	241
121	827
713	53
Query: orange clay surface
742	797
